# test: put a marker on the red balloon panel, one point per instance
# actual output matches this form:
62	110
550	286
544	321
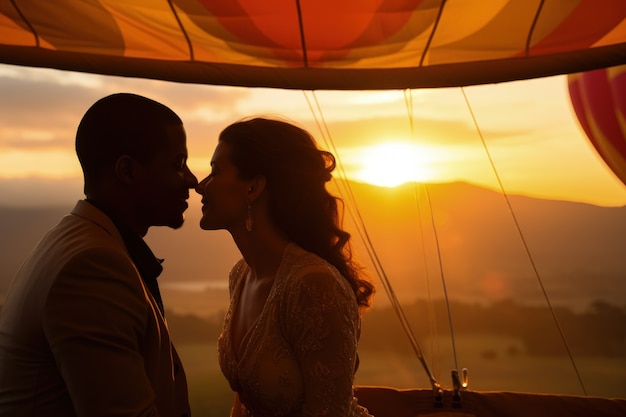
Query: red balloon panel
599	100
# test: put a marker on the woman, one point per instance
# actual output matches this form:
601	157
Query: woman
289	343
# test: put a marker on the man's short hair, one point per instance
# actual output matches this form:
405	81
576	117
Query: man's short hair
121	124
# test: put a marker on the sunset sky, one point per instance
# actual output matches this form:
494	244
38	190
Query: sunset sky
529	128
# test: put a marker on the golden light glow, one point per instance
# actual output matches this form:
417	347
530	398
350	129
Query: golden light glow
393	163
39	163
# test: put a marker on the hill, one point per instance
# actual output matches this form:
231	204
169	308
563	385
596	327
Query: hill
576	249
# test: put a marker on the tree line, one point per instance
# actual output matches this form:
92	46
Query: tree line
600	330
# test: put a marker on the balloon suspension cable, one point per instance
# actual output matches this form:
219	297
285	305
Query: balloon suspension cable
408	101
433	329
355	214
525	245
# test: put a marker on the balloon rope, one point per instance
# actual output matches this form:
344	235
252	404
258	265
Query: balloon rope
183	30
31	28
432	32
524	243
355	214
408	101
305	59
531	30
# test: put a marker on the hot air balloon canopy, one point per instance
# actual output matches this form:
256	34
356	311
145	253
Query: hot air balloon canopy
317	44
599	100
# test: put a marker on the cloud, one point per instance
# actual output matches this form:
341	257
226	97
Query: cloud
38	112
41	108
25	141
41	101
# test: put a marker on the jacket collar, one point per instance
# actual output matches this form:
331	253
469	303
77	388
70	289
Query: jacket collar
148	265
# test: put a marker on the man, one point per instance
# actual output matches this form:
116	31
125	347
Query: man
82	331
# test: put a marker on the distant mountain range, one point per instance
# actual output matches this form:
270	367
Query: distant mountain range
574	252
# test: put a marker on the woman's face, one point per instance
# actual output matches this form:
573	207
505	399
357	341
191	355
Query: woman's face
224	195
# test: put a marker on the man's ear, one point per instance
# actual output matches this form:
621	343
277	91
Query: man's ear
125	167
257	186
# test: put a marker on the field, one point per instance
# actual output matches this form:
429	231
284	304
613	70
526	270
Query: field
209	393
495	364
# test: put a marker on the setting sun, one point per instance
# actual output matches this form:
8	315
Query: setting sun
394	163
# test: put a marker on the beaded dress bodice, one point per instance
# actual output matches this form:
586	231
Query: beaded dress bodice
299	357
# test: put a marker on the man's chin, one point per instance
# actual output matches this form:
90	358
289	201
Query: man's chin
173	223
178	223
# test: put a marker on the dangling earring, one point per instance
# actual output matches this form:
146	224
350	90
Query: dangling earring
249	219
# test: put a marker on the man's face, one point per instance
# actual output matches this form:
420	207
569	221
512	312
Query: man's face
164	182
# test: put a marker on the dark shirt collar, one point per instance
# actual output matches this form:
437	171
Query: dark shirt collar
148	265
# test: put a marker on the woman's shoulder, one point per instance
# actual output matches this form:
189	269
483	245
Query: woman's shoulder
311	286
300	261
302	268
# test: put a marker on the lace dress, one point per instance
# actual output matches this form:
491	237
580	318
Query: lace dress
299	357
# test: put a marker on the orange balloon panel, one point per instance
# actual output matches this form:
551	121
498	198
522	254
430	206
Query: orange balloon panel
599	100
317	44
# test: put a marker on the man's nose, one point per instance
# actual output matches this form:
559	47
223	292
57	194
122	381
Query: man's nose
200	187
192	181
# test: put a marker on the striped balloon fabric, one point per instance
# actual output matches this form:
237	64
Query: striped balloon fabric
317	44
599	100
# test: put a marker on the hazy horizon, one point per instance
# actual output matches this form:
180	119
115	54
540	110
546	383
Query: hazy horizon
576	246
42	192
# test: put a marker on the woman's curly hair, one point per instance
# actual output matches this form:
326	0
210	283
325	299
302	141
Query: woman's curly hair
299	203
